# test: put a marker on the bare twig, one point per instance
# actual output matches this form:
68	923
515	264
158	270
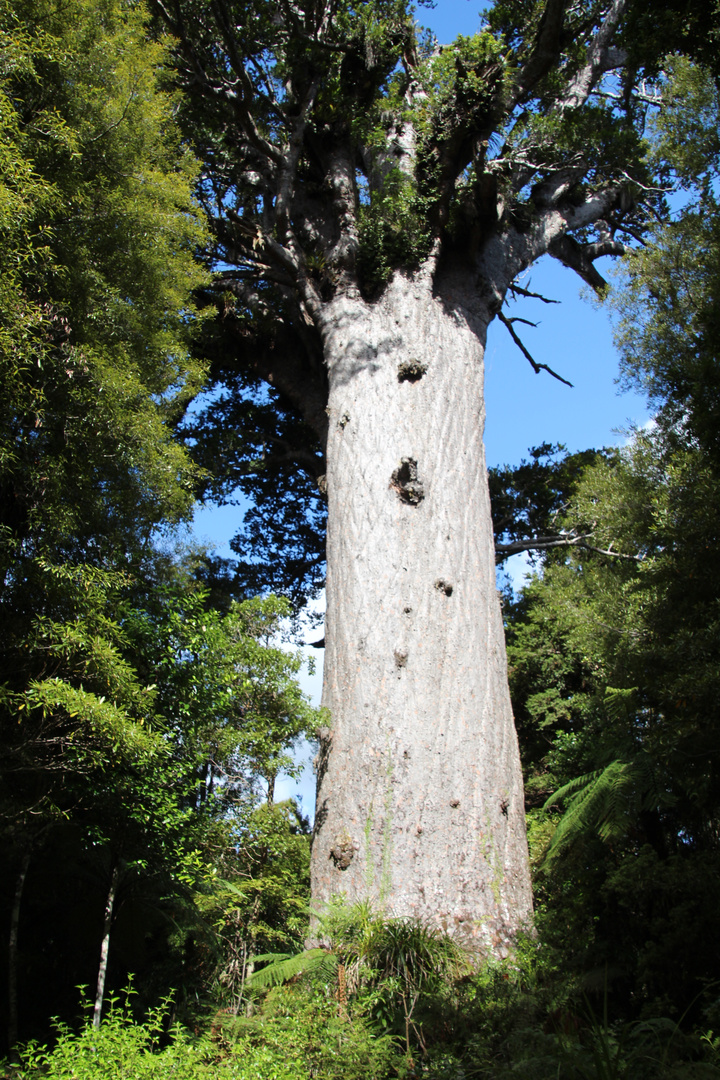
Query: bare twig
559	540
532	295
537	368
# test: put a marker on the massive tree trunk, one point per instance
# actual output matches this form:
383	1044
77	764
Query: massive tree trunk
420	798
360	152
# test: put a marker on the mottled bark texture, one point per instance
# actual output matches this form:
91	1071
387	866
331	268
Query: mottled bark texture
373	206
420	798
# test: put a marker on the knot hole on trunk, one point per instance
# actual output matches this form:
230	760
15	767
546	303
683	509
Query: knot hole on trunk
411	371
343	851
405	483
444	587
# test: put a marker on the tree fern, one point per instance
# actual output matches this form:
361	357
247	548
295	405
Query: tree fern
282	967
595	801
605	801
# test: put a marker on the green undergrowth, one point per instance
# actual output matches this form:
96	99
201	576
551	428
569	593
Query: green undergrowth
493	1030
385	999
294	1035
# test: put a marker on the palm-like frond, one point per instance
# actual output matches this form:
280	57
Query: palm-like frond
604	801
413	952
369	947
281	967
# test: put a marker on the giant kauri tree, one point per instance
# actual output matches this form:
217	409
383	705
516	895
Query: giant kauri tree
374	199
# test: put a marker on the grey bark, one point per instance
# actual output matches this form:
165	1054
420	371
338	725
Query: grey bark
420	799
105	947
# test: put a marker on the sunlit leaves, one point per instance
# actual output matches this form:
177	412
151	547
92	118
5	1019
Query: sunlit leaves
99	237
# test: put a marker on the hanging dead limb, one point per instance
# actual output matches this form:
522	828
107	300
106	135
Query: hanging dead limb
519	291
537	368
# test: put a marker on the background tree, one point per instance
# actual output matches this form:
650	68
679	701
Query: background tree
99	232
139	726
528	500
261	904
614	678
134	784
98	266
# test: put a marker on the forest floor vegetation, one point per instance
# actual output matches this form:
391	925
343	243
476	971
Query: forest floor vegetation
377	1009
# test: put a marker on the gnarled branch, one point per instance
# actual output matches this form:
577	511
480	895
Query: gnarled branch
600	58
546	49
578	257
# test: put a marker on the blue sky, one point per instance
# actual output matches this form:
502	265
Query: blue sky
451	17
573	337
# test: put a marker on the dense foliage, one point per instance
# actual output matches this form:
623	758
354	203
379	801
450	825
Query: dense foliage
132	714
613	649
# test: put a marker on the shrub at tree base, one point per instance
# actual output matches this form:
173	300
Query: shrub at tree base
298	1036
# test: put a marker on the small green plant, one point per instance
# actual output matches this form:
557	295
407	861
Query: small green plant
388	969
121	1049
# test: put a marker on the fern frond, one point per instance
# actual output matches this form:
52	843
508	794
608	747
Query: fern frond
621	703
579	784
282	967
272	957
230	887
599	802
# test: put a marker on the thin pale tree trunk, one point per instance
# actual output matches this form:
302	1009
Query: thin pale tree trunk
105	947
13	1021
420	796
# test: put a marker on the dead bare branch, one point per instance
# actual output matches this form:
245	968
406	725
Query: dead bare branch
532	295
537	368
